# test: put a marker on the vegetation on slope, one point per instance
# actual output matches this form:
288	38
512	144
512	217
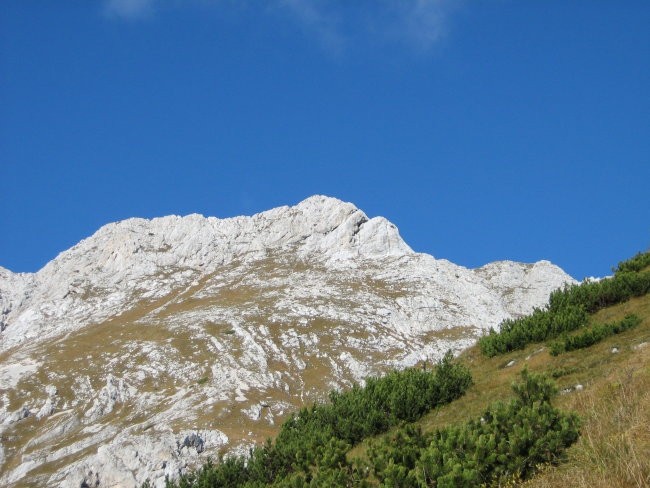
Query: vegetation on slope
568	309
592	335
524	440
607	385
637	263
509	441
312	444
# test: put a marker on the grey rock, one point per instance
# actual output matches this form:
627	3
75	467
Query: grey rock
195	441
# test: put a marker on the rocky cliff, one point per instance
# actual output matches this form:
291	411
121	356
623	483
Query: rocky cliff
155	343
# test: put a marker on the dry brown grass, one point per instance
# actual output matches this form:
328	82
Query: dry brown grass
614	447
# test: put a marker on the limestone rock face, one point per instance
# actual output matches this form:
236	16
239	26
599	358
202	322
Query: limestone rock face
154	344
14	290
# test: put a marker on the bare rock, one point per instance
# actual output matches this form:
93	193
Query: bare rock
116	391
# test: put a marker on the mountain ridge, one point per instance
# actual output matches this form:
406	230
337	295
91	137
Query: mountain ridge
193	242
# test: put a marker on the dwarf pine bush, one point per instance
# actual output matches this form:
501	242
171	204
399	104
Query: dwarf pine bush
636	263
592	336
509	441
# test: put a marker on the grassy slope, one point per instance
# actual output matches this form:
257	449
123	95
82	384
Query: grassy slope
614	403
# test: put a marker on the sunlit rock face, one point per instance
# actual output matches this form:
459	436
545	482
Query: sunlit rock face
154	344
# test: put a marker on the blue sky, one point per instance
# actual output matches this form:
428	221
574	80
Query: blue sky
484	130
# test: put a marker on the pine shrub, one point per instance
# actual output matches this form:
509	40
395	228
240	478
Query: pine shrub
508	442
592	336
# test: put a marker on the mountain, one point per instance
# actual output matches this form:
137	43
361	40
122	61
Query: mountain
155	343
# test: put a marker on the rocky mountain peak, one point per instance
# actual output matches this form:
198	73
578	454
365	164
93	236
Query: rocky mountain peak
323	227
154	343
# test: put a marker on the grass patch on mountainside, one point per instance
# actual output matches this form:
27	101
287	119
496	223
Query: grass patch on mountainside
493	376
614	402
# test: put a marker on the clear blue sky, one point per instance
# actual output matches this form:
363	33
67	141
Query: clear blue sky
484	130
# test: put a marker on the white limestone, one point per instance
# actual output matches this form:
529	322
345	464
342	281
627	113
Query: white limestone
116	391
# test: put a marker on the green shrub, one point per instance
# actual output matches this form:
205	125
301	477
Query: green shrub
595	295
508	442
637	263
592	336
562	371
537	327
